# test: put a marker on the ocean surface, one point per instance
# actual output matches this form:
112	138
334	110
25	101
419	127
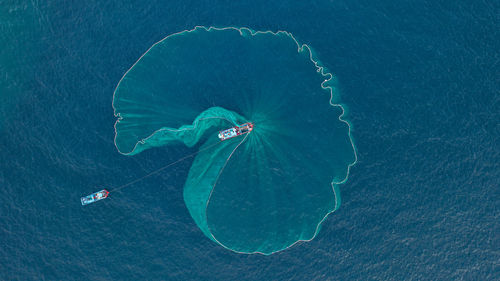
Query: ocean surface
421	83
262	191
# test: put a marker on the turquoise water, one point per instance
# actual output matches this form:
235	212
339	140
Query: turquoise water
260	192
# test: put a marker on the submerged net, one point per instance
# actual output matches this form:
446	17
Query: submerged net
262	191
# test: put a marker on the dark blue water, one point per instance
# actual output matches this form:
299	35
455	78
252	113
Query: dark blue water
421	83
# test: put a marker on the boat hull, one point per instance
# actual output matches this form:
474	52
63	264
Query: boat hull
235	131
94	197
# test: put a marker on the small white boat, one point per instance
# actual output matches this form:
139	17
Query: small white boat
235	131
94	197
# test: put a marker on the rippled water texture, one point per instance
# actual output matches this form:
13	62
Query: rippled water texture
259	192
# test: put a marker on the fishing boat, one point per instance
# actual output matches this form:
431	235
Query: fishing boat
235	131
94	197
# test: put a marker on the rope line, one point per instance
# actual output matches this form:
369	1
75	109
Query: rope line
163	168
